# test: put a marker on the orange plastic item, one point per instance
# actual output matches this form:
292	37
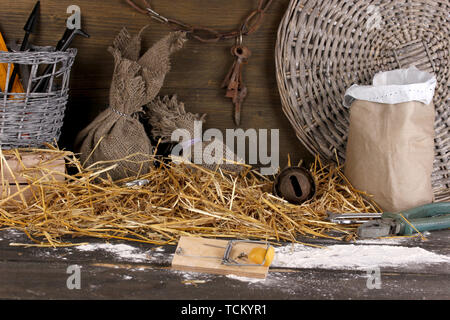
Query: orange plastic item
17	87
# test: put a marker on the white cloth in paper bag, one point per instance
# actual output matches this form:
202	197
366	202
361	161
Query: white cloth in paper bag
396	86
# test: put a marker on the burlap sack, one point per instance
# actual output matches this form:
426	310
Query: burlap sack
165	115
116	133
390	151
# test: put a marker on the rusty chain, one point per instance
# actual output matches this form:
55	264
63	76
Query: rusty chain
249	25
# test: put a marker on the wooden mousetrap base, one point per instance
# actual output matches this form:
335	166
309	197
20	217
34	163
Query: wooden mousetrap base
205	255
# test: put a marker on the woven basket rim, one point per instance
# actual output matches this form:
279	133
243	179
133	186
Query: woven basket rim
321	50
30	119
36	56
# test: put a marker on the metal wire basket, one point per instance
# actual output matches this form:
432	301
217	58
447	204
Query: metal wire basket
31	119
325	46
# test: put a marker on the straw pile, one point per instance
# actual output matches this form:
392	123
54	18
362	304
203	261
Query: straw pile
179	200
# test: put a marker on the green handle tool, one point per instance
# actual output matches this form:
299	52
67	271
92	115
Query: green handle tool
435	216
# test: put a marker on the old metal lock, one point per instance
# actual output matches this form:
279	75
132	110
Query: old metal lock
295	184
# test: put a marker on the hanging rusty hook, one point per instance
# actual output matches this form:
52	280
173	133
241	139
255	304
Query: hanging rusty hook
135	6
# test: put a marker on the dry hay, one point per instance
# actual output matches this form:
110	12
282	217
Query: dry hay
179	200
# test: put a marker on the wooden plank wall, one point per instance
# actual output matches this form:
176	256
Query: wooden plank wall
197	71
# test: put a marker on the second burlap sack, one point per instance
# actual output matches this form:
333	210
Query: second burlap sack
390	148
167	114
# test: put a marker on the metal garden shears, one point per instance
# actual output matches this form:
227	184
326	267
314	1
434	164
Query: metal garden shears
434	216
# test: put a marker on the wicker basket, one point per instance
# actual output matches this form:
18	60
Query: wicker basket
33	119
325	46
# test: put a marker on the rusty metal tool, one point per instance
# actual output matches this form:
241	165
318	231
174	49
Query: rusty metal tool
236	90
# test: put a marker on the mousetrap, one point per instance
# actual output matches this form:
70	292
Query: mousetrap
223	257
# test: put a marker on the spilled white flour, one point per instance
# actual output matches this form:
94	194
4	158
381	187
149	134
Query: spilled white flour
351	256
392	241
245	279
335	257
12	233
121	251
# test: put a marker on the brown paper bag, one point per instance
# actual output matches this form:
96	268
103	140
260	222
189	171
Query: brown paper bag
390	152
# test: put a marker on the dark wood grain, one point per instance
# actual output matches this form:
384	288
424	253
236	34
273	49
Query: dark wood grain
41	273
197	70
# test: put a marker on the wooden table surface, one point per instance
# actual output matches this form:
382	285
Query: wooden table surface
144	273
197	71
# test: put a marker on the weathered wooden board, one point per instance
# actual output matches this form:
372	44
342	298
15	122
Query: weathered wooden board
205	255
32	165
197	71
16	171
14	192
41	273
